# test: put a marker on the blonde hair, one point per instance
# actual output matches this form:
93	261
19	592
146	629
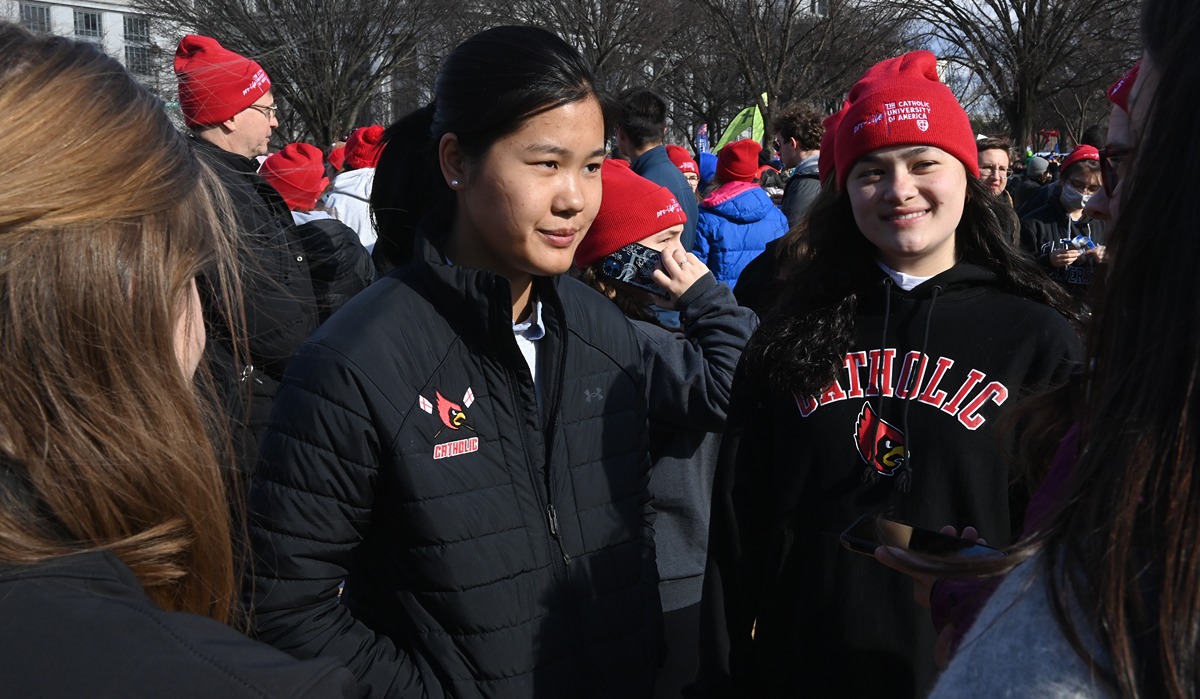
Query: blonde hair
106	216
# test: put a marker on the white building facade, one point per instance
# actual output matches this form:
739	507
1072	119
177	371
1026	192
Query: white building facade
114	25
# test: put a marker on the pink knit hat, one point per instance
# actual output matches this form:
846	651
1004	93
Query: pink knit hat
899	102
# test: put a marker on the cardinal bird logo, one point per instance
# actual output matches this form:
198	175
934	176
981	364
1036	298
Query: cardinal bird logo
879	443
454	417
451	413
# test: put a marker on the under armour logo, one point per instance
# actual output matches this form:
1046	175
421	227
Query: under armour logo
592	394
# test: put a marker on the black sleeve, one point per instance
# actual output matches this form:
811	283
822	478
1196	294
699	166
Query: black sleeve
310	509
732	574
340	266
798	197
689	376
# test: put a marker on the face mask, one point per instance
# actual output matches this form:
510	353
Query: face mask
1073	199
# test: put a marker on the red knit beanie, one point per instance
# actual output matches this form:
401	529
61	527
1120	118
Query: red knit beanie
825	165
1080	153
214	82
631	209
738	161
337	157
362	148
682	159
298	173
899	102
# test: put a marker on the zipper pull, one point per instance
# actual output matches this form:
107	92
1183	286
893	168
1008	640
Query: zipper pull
248	373
552	516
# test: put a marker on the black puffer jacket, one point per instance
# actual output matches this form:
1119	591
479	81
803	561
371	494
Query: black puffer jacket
82	626
486	551
280	308
340	266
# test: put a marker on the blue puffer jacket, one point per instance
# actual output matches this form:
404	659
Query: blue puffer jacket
736	222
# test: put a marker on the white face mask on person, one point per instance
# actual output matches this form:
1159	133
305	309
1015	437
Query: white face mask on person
1072	199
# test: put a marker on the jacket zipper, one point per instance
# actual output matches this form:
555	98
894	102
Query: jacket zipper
544	490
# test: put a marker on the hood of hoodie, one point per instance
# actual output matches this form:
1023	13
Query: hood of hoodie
355	183
808	166
740	202
961	281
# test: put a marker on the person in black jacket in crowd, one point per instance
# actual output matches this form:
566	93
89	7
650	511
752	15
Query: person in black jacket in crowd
465	443
1060	235
228	106
907	329
117	574
339	264
691	369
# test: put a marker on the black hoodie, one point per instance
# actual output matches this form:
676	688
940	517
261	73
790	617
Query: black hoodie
825	621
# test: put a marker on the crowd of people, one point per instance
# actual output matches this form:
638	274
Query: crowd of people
467	406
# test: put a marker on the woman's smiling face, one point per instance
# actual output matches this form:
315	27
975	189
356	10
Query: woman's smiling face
908	201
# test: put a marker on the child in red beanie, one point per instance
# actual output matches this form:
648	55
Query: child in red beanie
904	333
738	218
340	266
690	370
350	200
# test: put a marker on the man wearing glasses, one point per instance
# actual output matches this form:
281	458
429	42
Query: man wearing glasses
228	106
994	168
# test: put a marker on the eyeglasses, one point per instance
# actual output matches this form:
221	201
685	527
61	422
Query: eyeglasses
993	169
1084	187
269	112
1110	168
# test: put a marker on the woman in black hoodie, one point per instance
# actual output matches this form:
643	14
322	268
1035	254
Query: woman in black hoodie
875	386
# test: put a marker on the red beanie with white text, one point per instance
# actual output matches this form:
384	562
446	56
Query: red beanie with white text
214	82
682	159
298	173
898	102
632	208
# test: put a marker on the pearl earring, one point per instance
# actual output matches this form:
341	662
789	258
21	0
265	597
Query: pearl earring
454	184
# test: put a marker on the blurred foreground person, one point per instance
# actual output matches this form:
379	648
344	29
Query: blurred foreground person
1102	601
117	571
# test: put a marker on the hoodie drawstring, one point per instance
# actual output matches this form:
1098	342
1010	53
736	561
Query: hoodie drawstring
904	480
870	475
904	476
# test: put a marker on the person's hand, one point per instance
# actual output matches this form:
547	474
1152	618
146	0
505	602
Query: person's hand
677	272
1062	258
1097	253
902	561
943	647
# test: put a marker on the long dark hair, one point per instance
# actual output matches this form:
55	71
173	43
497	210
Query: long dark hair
488	87
805	336
1125	545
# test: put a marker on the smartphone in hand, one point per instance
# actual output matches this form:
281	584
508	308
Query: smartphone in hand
872	531
634	265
